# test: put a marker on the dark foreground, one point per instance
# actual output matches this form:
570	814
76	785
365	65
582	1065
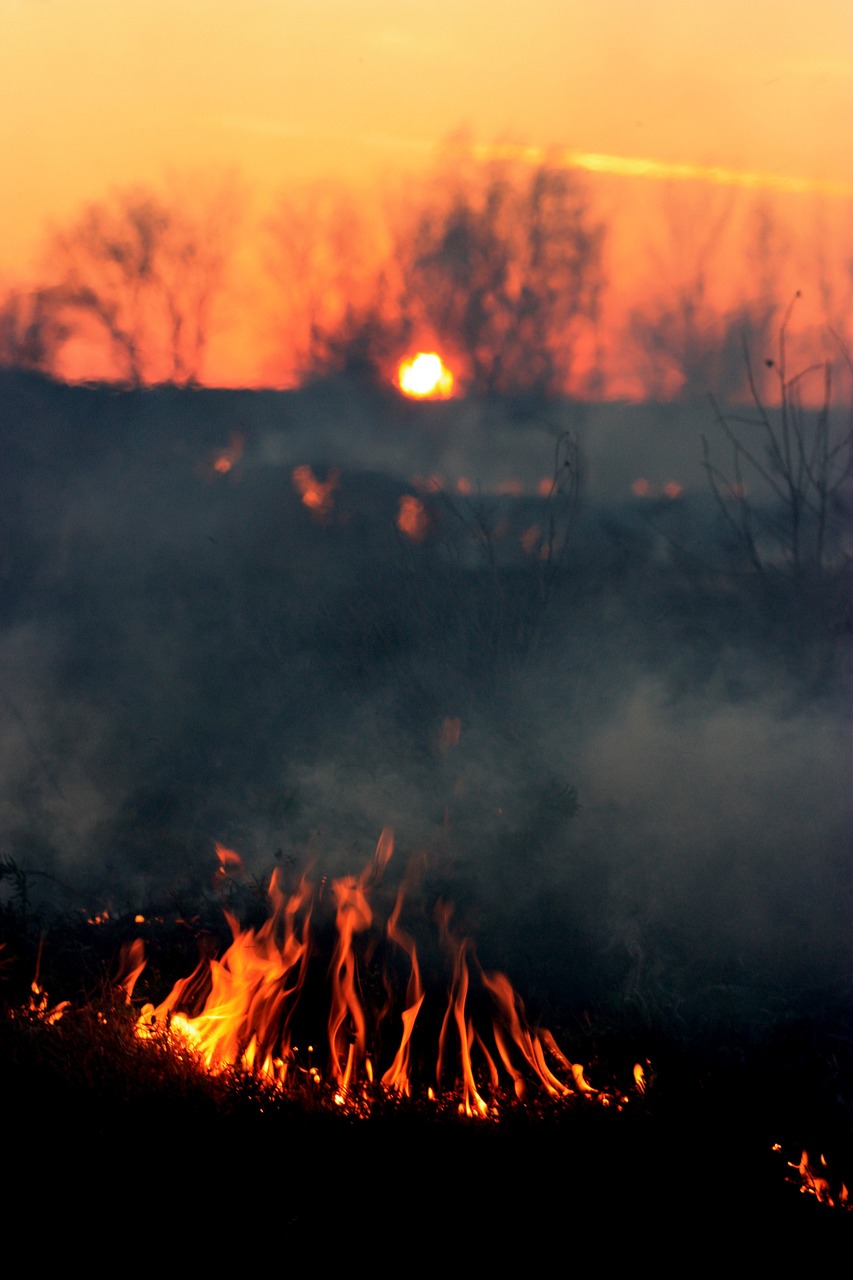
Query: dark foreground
111	1146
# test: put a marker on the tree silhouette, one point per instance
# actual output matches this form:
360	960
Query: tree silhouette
143	274
690	344
31	330
786	492
505	275
328	278
500	267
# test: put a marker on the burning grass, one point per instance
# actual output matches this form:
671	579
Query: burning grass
386	1031
401	1091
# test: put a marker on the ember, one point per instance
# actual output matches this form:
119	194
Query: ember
317	495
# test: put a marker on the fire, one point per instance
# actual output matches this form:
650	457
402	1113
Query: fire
815	1180
228	858
388	1031
412	518
425	376
317	495
228	458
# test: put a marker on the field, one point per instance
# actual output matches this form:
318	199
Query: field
527	641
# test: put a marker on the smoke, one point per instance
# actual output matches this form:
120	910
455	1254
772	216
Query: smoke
626	767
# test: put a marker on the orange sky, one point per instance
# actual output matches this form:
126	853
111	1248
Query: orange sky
102	93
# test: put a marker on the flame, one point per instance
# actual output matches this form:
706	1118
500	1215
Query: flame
815	1180
531	540
228	458
132	963
316	494
240	1010
396	1078
425	376
228	858
40	1008
412	518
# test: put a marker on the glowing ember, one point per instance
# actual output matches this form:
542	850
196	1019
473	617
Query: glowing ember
317	495
228	458
412	518
425	376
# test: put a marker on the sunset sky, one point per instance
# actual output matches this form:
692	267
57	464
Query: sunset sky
96	94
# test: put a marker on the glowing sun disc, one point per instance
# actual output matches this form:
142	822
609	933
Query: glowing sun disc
424	375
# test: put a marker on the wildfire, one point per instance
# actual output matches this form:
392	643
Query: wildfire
464	1042
425	376
352	998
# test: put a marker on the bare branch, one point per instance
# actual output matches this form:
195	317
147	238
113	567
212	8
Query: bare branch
809	466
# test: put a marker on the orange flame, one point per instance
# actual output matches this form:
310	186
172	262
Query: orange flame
412	518
228	458
228	858
397	1076
353	916
316	494
240	1010
815	1180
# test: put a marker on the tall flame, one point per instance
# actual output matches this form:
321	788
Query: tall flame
239	1010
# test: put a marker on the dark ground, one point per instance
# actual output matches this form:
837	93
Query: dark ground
104	1157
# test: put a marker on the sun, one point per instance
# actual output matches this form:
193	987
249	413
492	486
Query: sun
425	376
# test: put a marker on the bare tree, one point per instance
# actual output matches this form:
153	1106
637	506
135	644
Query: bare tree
143	274
687	340
329	278
787	495
31	330
500	266
505	271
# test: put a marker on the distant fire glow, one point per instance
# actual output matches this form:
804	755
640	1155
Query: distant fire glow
317	495
425	376
412	518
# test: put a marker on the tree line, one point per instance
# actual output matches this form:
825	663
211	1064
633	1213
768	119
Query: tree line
501	267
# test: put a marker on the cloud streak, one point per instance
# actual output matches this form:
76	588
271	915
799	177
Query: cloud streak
663	170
